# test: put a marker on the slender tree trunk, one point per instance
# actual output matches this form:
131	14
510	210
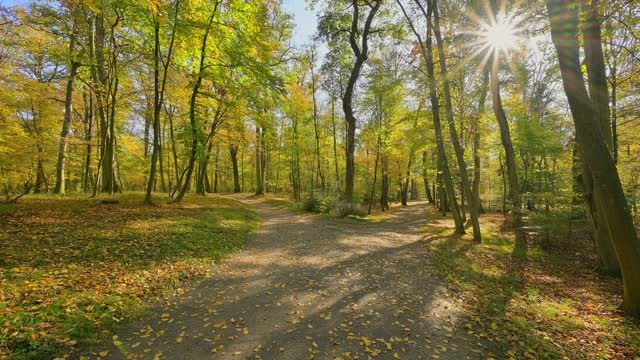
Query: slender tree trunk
427	54
88	101
335	144
320	175
361	52
233	152
59	187
462	165
425	177
158	94
384	191
510	159
405	184
216	171
192	107
375	177
259	161
476	141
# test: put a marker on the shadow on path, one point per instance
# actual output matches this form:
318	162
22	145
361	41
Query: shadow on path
312	287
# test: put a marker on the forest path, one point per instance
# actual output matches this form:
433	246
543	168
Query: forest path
311	286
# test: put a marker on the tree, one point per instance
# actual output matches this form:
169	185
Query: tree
563	17
159	86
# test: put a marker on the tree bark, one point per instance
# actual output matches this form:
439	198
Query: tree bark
192	107
427	54
425	177
233	152
361	53
59	187
510	159
564	33
158	94
476	141
462	164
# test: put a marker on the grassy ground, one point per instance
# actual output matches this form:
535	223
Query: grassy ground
545	306
72	268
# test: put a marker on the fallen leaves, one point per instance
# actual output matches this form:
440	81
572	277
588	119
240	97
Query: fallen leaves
100	263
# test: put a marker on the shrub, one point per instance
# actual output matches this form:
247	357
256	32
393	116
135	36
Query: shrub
318	204
344	209
311	204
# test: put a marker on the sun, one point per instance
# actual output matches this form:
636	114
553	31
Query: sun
500	35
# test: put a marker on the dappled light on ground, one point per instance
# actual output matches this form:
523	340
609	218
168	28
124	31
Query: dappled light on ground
310	287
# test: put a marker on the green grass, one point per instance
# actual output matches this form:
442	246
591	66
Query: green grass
72	269
547	305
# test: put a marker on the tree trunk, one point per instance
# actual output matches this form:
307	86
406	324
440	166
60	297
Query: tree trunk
427	54
476	142
599	94
384	191
510	159
361	52
375	177
335	143
88	117
59	187
564	33
259	161
158	95
233	152
425	176
193	105
462	165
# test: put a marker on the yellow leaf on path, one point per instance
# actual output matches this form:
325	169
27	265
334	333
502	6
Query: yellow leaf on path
396	356
220	324
179	339
245	331
104	353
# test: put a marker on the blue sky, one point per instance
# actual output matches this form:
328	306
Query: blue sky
305	20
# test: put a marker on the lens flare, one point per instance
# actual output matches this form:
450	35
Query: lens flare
501	35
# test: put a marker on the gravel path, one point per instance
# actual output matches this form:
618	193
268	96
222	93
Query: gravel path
311	287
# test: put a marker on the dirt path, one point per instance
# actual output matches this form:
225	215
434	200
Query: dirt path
312	287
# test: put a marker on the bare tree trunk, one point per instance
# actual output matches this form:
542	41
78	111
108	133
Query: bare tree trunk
259	161
599	94
158	95
335	143
427	54
476	141
192	107
462	165
88	117
564	33
425	177
233	152
384	192
510	159
59	187
361	52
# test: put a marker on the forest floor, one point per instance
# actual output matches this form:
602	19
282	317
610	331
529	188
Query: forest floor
311	286
399	285
73	269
